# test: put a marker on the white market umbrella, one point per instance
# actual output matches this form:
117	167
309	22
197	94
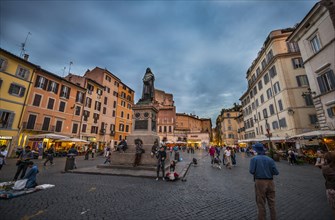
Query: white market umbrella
319	133
73	140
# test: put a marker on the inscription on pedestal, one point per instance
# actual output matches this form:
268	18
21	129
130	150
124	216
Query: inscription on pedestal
141	124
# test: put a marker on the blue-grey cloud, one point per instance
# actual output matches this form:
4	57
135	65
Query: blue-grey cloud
198	50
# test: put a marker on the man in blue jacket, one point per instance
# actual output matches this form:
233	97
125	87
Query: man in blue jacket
263	168
31	175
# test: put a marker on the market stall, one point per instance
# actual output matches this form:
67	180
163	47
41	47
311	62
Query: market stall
40	142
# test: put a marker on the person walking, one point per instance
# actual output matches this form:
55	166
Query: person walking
227	154
93	152
263	168
3	155
50	155
73	153
233	156
161	156
212	154
22	162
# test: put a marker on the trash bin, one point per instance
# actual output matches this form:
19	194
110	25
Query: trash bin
69	165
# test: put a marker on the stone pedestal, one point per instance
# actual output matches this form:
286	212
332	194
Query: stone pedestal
144	129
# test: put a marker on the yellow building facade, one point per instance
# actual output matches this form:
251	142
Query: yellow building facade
16	76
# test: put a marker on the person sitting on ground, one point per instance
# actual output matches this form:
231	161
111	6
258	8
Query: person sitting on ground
31	175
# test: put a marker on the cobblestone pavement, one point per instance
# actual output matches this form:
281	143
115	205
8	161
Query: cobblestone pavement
208	193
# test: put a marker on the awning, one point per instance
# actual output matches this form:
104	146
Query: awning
73	140
263	139
319	133
48	135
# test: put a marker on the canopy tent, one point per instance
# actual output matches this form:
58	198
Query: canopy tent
263	139
72	140
48	135
319	133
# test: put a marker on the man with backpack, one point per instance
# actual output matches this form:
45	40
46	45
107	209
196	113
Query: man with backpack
161	156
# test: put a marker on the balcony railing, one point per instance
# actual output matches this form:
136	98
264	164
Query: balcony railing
37	127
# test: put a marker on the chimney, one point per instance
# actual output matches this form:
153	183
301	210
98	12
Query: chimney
26	57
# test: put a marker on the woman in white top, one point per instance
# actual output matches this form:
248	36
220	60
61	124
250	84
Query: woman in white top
227	154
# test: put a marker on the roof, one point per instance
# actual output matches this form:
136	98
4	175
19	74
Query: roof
299	26
39	68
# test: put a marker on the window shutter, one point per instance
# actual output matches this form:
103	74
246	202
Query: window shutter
10	120
56	90
10	90
68	94
298	80
331	77
45	84
22	91
321	85
4	65
330	112
26	76
37	80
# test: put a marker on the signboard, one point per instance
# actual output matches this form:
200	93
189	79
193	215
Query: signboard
141	125
6	137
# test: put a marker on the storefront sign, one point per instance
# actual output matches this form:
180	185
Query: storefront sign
6	137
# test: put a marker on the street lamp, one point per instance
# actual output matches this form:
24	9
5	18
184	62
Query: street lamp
268	133
309	92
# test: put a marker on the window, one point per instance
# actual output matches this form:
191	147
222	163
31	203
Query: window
262	98
257	104
170	129
280	105
78	110
276	88
160	128
255	90
62	106
113	114
326	81
74	128
121	127
165	129
266	78
90	88
37	100
88	102
229	128
282	123
269	56
275	125
308	99
273	71
313	119
97	106
272	110
95	117
114	104
22	72
94	130
127	128
65	92
3	64
302	80
16	90
99	91
128	116
122	114
105	100
265	113
258	71
6	119
269	93
31	121
53	87
259	116
331	111
260	85
293	47
315	43
108	78
80	97
51	103
86	115
46	123
104	110
84	127
115	94
0	82
263	64
297	63
41	82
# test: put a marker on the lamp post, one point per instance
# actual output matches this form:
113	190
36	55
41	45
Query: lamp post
269	135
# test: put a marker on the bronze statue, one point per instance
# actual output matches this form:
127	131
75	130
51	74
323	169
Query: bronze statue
148	87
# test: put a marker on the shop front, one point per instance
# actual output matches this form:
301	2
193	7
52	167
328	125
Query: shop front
41	142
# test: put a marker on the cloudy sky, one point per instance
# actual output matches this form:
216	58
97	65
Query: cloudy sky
198	50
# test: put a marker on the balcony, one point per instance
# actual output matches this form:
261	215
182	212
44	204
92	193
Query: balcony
102	131
37	127
112	133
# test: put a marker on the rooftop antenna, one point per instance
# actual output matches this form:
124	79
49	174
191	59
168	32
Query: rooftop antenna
23	45
70	66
